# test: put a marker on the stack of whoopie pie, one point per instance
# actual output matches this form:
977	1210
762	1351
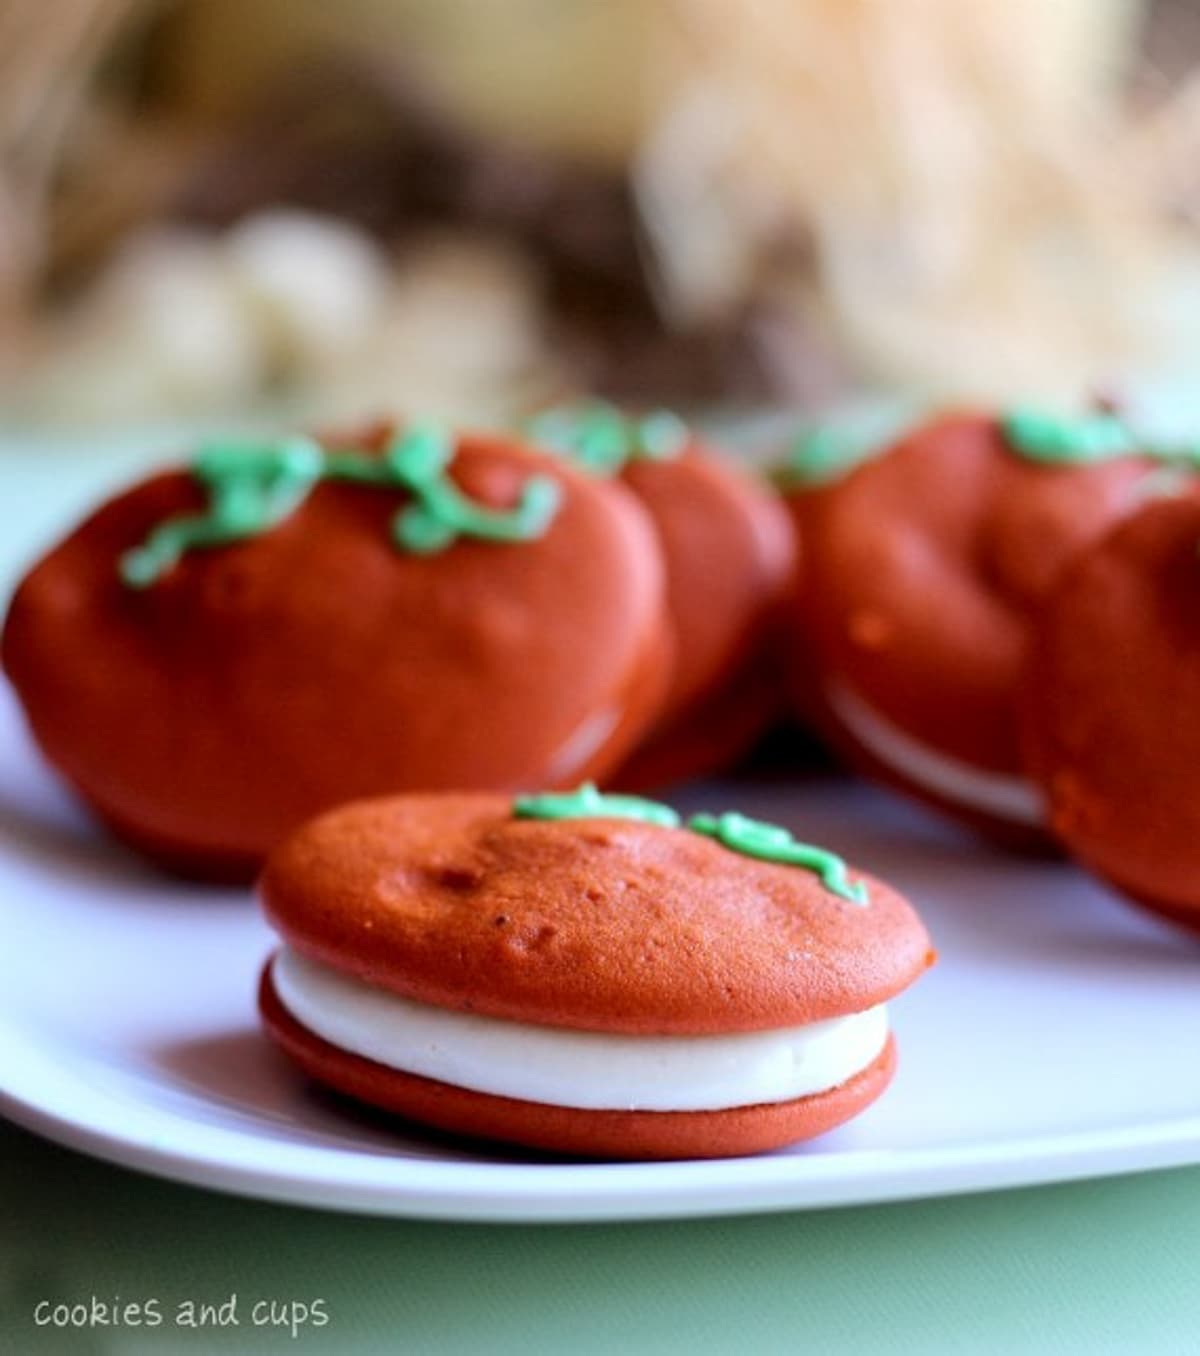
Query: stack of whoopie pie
396	665
997	617
456	635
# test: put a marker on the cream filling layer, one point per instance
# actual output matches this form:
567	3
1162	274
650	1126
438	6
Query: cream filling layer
585	1069
992	793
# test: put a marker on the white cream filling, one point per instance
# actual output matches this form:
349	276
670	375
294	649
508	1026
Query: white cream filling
993	793
586	1069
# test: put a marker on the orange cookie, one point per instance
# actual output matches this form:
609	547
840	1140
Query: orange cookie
818	457
581	972
729	553
216	655
1112	708
924	571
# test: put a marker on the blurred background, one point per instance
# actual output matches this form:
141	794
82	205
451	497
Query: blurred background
470	207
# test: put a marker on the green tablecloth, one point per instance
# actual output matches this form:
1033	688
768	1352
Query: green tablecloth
1092	1268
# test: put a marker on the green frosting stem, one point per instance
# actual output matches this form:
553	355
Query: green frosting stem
252	488
586	802
1059	441
601	439
772	843
442	512
821	455
660	436
750	837
822	452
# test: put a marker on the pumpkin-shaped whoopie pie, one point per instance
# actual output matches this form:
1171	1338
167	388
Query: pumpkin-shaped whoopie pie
729	554
924	570
816	458
583	973
226	649
1112	708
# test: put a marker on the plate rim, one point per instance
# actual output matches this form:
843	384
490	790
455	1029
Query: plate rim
572	1191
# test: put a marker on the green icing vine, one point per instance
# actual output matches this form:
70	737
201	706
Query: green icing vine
1063	441
821	455
254	487
772	843
1079	440
750	837
603	440
586	802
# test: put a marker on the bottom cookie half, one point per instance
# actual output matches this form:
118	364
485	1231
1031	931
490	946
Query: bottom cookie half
569	1130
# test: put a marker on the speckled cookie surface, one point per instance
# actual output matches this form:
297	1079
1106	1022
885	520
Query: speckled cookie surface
1112	708
257	683
596	1134
594	924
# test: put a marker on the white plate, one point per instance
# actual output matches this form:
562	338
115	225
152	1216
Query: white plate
1056	1039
